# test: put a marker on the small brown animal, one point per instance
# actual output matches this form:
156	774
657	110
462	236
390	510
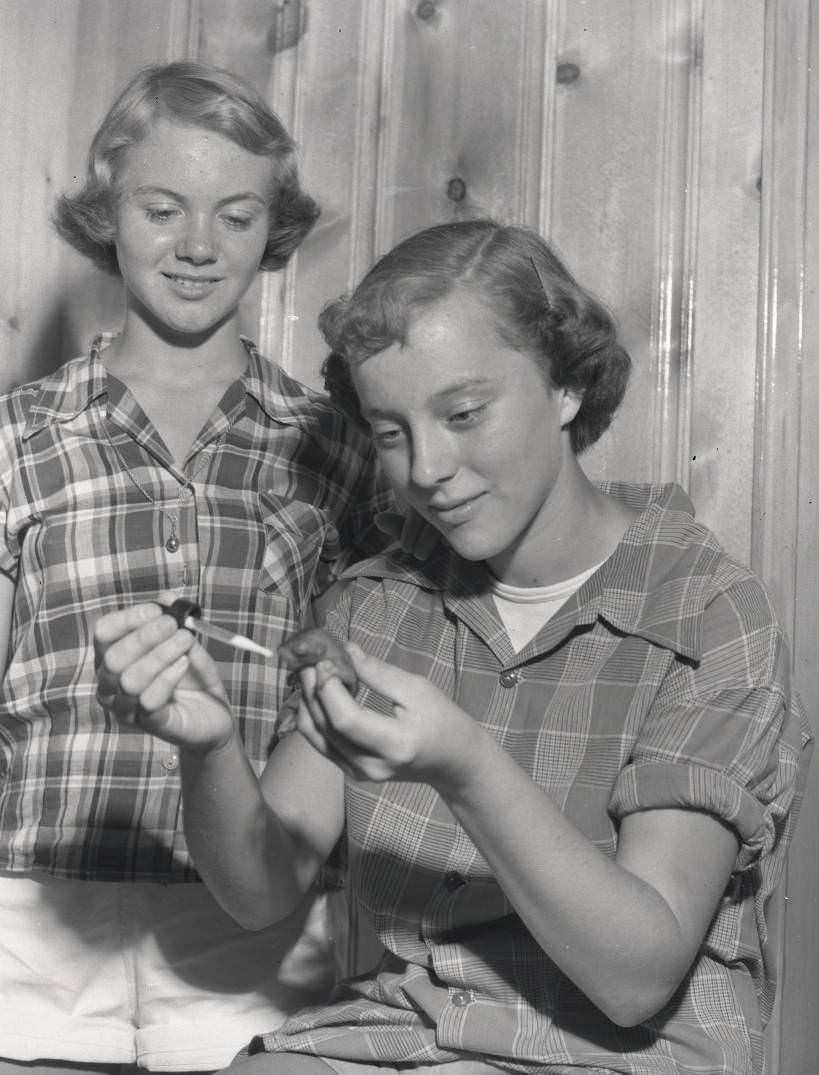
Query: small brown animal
307	648
315	645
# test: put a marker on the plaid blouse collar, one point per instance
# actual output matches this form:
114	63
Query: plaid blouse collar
70	389
77	384
655	585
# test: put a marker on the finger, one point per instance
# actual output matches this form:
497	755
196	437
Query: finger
160	690
325	670
336	748
334	724
138	676
167	597
129	647
134	662
364	744
123	706
378	675
356	733
315	720
109	629
106	697
203	670
288	715
306	725
146	708
310	700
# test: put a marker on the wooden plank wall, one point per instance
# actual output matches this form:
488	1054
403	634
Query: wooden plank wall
668	149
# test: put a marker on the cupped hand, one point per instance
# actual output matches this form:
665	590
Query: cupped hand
426	738
152	674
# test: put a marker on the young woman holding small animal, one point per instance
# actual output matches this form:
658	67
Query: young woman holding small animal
569	778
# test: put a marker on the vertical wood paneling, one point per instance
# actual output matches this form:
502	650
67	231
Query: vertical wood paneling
616	215
633	135
53	300
335	121
237	35
553	36
279	289
799	1025
241	35
786	475
721	450
34	133
672	322
465	84
415	80
782	264
113	40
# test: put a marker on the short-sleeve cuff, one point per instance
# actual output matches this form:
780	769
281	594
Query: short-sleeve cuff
9	562
658	785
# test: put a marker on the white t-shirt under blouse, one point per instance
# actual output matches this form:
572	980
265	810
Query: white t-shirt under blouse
525	609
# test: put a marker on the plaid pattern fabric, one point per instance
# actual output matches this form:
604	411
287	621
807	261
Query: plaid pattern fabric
277	492
662	683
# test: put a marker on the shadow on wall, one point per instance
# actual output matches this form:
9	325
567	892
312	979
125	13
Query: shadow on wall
91	302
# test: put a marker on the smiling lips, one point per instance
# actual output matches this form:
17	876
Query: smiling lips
192	287
454	511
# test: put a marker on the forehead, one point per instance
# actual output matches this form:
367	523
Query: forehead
449	345
461	320
178	155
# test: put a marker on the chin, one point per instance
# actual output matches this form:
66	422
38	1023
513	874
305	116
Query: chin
473	550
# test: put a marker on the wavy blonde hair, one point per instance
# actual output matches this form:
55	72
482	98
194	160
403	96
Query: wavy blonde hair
199	95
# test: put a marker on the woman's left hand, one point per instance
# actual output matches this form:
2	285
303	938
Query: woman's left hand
426	738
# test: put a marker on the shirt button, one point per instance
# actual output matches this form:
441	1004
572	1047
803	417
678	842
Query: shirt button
510	677
453	880
170	762
460	998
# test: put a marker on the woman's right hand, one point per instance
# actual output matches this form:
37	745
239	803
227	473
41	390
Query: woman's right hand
155	675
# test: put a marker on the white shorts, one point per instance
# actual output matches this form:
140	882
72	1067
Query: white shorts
156	975
454	1067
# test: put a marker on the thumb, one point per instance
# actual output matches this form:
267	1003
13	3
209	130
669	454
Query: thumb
202	672
391	682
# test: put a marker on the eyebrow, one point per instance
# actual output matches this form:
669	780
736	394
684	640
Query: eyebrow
439	397
246	195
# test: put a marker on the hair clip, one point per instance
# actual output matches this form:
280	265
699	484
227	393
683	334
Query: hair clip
540	281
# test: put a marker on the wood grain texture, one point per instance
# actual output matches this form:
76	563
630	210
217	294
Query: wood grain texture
61	65
462	124
725	267
784	543
669	150
36	133
610	216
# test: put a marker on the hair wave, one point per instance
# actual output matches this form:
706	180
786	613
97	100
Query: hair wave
536	303
194	94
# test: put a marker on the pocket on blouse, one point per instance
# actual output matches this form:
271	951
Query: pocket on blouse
301	544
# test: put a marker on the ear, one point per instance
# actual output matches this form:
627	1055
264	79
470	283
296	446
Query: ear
569	405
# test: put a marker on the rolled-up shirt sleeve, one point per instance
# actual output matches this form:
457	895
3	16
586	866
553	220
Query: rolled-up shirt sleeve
725	734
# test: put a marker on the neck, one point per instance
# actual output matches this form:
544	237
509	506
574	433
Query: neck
580	529
164	359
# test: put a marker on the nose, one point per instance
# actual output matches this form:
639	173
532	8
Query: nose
196	243
434	459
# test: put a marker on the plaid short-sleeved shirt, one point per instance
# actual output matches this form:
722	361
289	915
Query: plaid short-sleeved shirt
662	683
276	493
